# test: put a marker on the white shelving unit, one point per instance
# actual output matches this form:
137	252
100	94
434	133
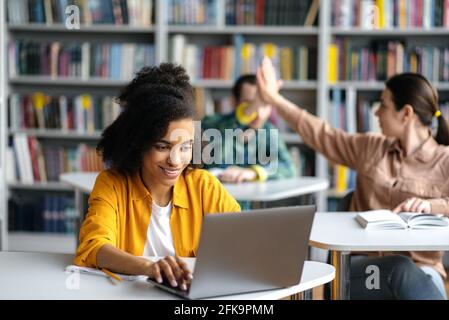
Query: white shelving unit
3	131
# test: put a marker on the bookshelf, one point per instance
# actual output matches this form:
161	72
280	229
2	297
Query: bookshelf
311	92
3	130
50	237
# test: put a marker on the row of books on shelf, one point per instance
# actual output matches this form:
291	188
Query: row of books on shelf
85	114
363	118
192	12
51	213
32	161
382	59
117	61
271	12
387	14
228	62
119	12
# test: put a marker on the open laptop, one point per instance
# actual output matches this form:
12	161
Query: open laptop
249	251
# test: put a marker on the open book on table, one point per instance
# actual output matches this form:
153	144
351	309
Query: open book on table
387	219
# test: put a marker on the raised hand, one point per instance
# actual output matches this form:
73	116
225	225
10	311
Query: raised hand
267	82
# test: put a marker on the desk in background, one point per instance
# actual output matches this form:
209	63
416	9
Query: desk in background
340	233
271	190
43	276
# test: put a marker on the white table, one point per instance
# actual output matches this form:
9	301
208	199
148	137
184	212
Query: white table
42	276
340	233
272	190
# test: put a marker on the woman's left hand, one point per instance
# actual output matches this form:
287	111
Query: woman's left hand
414	205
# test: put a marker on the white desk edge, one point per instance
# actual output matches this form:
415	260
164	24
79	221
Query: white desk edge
87	180
314	274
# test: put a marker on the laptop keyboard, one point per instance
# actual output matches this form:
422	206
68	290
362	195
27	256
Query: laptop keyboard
167	284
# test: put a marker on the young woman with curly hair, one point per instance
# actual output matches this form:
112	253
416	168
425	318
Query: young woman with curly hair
150	202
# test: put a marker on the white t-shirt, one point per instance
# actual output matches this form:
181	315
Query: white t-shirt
159	238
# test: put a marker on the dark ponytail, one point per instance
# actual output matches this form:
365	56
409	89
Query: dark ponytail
415	90
442	136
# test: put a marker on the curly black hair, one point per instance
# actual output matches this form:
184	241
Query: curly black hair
154	98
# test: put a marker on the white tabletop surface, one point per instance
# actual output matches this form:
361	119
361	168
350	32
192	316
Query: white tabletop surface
340	231
252	191
43	276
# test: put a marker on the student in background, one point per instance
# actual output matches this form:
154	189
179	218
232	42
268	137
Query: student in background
407	162
150	202
244	92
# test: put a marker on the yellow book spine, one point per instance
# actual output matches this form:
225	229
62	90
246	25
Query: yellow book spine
341	184
286	63
333	63
402	14
380	13
413	63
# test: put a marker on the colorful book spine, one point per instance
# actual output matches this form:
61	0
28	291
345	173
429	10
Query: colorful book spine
37	162
271	12
116	61
229	62
383	59
117	12
388	14
50	213
85	114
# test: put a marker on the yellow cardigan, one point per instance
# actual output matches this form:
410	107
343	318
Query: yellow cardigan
120	209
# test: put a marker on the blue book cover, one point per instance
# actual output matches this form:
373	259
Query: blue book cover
211	9
36	9
432	13
108	12
124	9
352	179
95	9
335	110
429	63
63	4
61	216
114	63
54	214
238	44
46	214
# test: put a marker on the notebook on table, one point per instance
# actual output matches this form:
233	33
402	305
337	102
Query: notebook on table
387	219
